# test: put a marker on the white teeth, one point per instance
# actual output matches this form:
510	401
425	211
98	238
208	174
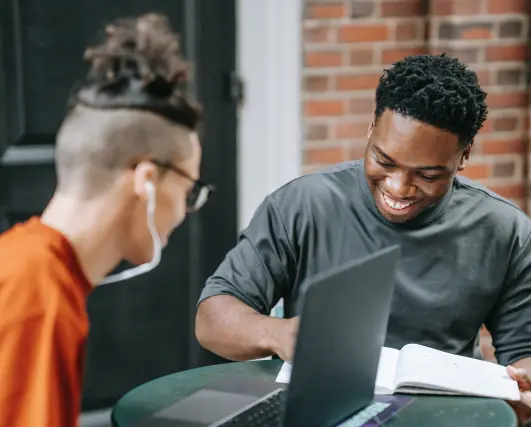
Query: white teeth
394	204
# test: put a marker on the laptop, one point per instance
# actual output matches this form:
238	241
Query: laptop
342	330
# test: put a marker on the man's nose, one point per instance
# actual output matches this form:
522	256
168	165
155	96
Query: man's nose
400	186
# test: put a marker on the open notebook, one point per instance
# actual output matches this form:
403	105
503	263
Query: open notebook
417	369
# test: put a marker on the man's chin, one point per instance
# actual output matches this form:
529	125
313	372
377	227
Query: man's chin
140	258
136	261
397	216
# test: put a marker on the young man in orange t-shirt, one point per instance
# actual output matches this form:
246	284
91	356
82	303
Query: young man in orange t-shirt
127	160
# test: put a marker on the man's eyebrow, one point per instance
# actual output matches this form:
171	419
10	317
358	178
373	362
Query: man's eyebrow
381	153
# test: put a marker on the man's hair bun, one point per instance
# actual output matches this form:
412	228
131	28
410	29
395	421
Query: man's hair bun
139	65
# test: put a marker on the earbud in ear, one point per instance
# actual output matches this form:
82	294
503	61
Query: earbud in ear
150	188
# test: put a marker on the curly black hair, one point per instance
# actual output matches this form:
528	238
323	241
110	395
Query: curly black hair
435	89
139	65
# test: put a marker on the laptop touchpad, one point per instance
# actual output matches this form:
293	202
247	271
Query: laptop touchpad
200	409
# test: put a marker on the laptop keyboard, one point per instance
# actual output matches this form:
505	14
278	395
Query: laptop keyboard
265	413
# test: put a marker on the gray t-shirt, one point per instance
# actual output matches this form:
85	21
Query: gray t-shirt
465	261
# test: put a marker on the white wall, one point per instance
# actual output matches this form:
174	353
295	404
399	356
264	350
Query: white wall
270	131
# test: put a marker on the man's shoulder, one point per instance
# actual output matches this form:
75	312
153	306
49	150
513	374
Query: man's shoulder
481	202
30	255
335	179
23	243
34	278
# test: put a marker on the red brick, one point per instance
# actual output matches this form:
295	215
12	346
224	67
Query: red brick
510	191
324	155
487	126
360	56
455	7
406	31
316	131
505	124
477	171
476	33
324	107
316	83
507	53
504	169
508	6
511	29
503	146
401	9
358	81
317	34
349	130
390	56
362	8
357	151
363	33
483	77
507	100
323	59
326	11
466	55
362	106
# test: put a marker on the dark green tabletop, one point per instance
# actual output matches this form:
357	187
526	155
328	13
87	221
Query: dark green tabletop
433	411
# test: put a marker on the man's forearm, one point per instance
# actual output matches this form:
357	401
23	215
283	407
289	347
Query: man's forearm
233	330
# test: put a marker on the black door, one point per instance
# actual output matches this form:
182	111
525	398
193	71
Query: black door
143	328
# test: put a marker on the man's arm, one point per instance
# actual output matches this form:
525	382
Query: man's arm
510	320
38	366
235	331
233	313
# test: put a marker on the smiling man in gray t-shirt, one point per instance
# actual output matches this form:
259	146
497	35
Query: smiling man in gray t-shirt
466	253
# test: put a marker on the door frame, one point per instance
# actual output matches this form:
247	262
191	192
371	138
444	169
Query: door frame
270	135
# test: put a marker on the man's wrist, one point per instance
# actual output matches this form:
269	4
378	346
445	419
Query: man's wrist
269	341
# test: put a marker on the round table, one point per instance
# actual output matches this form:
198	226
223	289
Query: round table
433	411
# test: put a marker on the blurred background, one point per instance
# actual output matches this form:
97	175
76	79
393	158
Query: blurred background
288	88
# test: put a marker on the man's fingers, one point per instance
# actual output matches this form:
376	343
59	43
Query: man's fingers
517	373
525	398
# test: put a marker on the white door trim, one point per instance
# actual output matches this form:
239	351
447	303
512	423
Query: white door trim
269	60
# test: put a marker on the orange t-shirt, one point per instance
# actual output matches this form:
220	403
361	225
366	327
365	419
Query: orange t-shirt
43	328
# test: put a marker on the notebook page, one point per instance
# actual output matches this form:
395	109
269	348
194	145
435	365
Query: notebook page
284	374
426	367
385	378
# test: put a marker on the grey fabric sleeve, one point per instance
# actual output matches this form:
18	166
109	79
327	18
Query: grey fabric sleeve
510	320
259	270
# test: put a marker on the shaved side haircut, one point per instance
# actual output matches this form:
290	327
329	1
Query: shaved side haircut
132	106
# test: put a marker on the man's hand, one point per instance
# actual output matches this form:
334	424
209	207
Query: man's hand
286	338
523	407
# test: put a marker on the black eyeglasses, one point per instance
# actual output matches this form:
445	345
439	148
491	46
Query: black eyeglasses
199	193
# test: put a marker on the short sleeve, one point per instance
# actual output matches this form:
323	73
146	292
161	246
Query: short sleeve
39	362
510	320
259	271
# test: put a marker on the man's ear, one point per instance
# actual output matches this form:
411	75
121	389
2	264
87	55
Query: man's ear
144	171
464	158
371	128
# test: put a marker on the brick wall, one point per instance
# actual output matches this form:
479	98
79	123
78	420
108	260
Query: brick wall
348	43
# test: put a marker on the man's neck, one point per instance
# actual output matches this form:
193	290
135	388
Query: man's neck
91	228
